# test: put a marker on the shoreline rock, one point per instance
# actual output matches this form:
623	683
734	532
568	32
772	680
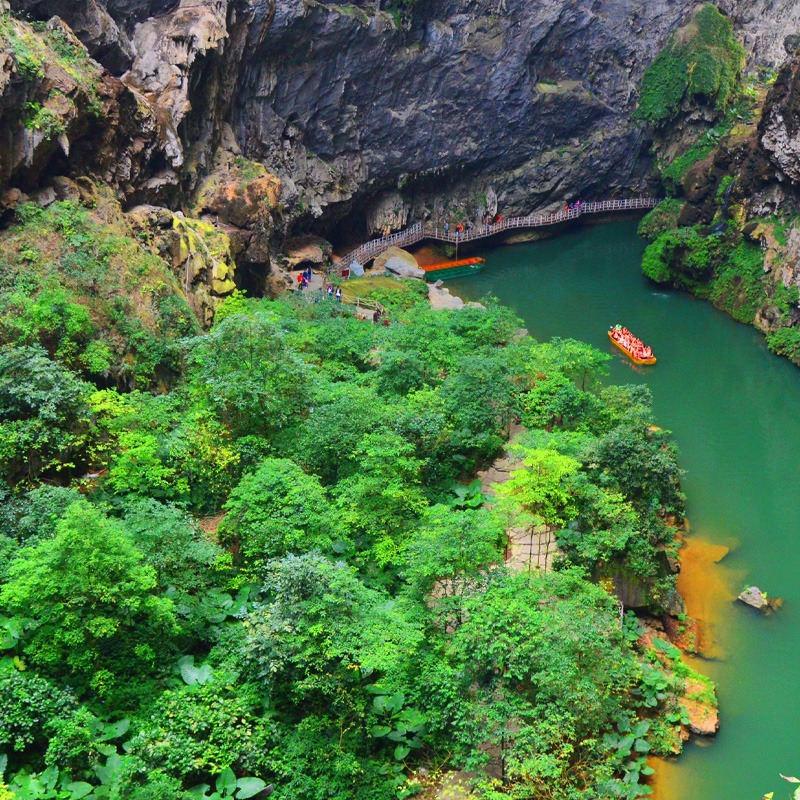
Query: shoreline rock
753	597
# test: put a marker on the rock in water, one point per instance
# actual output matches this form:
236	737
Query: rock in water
753	596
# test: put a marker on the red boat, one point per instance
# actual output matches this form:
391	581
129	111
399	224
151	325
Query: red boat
633	347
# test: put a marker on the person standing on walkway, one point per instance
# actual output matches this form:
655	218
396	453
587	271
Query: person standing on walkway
446	227
330	291
338	294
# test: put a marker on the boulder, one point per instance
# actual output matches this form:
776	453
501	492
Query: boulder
753	596
440	298
399	262
700	703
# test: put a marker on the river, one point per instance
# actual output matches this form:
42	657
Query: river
734	410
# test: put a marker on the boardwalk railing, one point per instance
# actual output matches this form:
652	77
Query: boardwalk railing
417	232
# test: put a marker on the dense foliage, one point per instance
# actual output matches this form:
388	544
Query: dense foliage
275	573
702	60
75	283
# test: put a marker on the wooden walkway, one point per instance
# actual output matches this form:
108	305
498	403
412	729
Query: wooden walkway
419	231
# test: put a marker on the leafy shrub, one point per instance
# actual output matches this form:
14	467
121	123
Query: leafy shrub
785	342
28	704
195	732
43	414
663	218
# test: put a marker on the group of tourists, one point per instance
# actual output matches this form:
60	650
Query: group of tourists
337	295
576	206
465	227
304	278
631	343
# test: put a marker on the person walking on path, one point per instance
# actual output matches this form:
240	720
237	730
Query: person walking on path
338	294
330	291
300	279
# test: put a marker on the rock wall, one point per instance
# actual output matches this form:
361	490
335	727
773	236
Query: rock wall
531	100
358	114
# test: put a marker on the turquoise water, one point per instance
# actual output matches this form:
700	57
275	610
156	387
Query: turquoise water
734	410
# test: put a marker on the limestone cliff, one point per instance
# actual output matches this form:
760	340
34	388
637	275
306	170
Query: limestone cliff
363	116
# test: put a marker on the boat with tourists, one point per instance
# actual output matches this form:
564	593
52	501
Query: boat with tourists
452	269
632	346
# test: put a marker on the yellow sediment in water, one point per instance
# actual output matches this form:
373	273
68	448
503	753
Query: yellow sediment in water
706	587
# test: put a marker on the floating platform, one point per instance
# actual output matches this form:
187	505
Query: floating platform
629	353
444	270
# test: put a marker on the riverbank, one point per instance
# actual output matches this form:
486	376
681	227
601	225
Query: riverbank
734	411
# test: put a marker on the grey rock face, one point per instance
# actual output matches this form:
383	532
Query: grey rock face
468	106
91	23
530	98
780	124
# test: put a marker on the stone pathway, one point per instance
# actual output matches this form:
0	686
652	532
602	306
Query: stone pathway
528	548
316	281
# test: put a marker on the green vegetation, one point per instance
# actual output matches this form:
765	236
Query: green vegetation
722	268
663	218
702	60
277	570
80	287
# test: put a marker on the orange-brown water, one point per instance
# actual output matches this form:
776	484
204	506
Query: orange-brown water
707	587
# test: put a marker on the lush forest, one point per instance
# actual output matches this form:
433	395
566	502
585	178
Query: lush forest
252	561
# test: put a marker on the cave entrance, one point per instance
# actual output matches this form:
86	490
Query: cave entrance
348	231
252	279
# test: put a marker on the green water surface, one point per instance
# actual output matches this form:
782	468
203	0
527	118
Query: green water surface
734	410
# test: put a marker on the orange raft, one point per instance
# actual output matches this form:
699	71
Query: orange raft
634	348
452	269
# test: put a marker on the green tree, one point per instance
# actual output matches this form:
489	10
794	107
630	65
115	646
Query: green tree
342	414
91	600
384	498
449	557
641	464
580	362
278	510
173	544
482	400
542	488
526	685
319	633
244	370
43	415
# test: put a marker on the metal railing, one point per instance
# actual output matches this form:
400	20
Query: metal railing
417	232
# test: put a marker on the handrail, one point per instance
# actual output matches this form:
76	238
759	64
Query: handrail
417	232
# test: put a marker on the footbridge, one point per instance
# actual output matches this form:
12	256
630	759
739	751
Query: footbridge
419	231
